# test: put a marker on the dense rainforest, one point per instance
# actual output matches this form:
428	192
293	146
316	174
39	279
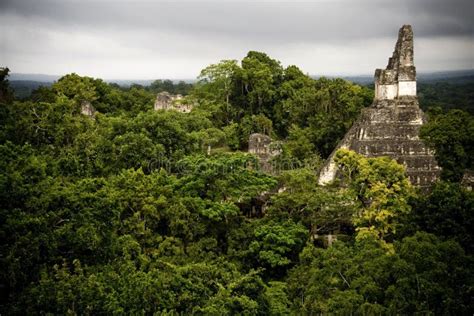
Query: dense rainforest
127	212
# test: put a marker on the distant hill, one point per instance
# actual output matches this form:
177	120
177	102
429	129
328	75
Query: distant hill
453	77
456	76
23	88
33	77
52	78
24	84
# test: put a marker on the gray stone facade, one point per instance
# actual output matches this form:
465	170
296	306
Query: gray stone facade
264	148
390	126
468	180
399	78
167	101
87	109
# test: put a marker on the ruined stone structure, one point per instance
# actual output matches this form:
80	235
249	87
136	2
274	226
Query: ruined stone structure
166	101
468	180
264	148
390	126
87	109
399	78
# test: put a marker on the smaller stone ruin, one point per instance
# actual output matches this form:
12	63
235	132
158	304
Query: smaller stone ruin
264	148
166	101
87	109
468	180
325	240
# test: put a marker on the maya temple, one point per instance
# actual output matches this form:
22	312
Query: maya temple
390	126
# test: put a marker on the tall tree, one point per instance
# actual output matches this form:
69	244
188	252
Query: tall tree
450	134
381	187
6	94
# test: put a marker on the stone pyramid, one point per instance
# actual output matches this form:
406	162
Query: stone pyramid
390	126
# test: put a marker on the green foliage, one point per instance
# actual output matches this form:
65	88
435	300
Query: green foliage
266	98
277	298
450	134
152	287
325	108
167	85
447	95
43	94
131	215
227	177
276	244
299	143
216	85
365	279
136	211
445	212
133	100
437	278
322	210
382	188
6	93
82	90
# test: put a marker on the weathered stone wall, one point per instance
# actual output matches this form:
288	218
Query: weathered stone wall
264	148
390	127
167	101
386	91
468	180
87	109
259	144
399	78
406	88
163	101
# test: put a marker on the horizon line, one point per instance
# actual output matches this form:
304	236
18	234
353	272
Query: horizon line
341	75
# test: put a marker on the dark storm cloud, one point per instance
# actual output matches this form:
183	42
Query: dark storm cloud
268	21
195	29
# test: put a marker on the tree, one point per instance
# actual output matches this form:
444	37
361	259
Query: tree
435	277
254	124
421	275
445	212
223	177
275	245
322	210
381	187
450	135
209	138
80	89
260	78
6	94
218	81
299	144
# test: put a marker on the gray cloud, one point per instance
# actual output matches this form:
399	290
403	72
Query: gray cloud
176	39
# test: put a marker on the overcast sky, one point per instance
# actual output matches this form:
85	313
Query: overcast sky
176	39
